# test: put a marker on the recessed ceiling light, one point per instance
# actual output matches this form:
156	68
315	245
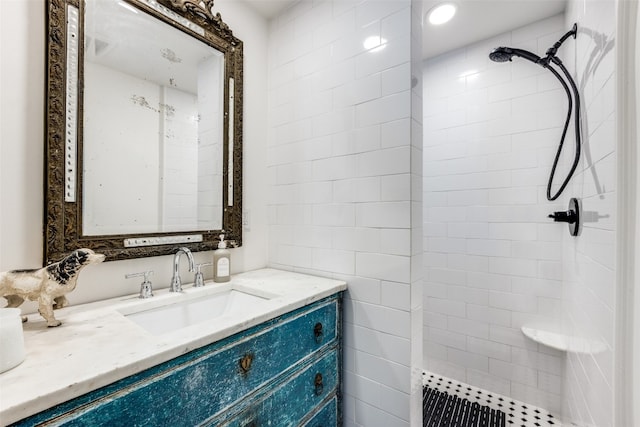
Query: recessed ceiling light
441	13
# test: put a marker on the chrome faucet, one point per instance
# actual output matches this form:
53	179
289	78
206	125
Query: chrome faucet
176	283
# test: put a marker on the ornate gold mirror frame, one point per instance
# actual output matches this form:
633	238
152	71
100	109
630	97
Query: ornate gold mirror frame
64	133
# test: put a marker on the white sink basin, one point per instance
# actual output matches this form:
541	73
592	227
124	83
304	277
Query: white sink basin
185	310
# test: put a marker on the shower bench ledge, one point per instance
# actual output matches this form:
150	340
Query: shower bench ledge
563	342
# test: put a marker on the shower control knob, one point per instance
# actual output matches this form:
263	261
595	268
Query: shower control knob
564	216
571	216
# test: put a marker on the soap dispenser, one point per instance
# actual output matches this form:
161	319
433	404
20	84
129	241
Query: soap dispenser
221	262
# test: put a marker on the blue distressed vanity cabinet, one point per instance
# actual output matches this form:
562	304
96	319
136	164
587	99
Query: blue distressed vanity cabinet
284	372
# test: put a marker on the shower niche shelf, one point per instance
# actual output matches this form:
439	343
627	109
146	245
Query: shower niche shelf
563	342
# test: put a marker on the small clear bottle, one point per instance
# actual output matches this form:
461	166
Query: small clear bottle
221	262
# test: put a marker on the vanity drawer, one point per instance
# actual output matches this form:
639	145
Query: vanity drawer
327	416
294	400
197	386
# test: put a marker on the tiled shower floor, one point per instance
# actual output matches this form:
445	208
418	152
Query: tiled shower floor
516	413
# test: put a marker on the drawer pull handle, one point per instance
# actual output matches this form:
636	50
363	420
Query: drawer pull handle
317	332
318	384
245	363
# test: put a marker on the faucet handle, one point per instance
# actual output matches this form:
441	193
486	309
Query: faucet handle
146	291
199	279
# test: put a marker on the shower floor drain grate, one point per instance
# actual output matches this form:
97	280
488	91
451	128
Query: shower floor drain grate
443	409
508	412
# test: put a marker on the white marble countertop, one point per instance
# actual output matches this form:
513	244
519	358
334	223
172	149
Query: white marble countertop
97	345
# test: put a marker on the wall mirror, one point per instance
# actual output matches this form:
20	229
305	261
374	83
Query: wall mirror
144	128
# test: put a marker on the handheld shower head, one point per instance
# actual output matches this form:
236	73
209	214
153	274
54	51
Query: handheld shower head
501	54
550	61
504	54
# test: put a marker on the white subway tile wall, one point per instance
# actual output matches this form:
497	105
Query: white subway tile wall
589	261
344	157
346	201
493	260
490	136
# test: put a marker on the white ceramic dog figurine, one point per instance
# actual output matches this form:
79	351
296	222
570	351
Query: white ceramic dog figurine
47	285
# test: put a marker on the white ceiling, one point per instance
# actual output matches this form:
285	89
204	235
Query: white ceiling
476	19
269	8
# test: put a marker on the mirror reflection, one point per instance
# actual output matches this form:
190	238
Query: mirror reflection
144	128
152	125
